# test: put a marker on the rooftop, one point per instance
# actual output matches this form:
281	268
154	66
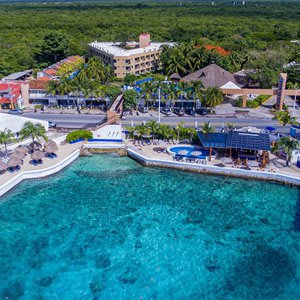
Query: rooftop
211	75
9	89
236	140
17	75
114	48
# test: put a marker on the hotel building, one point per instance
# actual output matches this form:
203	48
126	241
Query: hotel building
130	58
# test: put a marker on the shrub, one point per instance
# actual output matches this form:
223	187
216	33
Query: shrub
252	103
79	134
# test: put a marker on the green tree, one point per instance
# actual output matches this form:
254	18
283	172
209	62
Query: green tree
284	118
34	131
129	79
54	47
53	87
129	99
213	97
207	128
287	144
154	127
6	137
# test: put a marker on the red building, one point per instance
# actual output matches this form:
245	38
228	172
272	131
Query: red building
13	94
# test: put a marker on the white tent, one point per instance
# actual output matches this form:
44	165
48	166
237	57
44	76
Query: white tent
16	122
230	85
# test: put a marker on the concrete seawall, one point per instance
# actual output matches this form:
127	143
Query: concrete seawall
192	167
152	162
38	173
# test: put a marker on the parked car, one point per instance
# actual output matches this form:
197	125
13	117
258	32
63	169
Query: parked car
201	111
52	124
143	109
179	111
166	110
190	111
16	111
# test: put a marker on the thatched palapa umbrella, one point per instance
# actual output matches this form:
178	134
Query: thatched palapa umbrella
49	142
51	147
36	155
22	148
13	162
34	146
18	155
3	166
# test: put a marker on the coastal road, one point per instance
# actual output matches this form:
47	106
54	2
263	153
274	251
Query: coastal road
81	120
217	122
67	120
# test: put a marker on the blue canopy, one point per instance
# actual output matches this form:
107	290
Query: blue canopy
143	80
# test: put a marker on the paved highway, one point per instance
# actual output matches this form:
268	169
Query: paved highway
67	120
80	120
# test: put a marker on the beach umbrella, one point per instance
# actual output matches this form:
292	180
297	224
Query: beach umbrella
183	152
253	163
22	148
196	153
49	142
13	162
18	155
37	155
35	146
3	165
226	160
51	148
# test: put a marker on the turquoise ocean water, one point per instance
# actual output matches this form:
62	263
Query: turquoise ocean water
108	228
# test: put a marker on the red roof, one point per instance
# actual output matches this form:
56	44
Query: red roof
39	84
13	89
44	78
52	70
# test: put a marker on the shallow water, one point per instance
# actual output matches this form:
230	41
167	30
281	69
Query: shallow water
108	228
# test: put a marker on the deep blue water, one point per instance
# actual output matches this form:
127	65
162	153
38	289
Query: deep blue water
108	228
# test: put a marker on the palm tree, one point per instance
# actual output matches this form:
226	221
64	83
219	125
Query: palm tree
207	128
284	118
153	126
165	131
172	91
200	58
230	126
6	137
34	131
175	62
65	87
53	87
213	97
179	130
287	144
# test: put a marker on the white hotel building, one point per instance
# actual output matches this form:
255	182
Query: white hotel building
132	58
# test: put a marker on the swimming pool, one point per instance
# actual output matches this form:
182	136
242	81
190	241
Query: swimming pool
191	151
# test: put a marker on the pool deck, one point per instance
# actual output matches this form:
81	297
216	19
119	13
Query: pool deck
275	171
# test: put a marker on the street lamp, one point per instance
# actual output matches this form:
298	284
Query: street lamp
159	105
294	106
